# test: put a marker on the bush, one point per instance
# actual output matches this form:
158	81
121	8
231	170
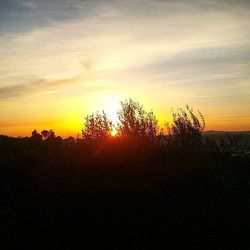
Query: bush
135	121
187	129
97	127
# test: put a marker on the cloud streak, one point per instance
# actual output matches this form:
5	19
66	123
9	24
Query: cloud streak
174	50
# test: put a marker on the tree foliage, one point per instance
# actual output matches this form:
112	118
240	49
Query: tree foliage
45	134
35	136
97	127
187	128
135	121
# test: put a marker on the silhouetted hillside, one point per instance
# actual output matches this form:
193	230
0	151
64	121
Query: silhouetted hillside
238	143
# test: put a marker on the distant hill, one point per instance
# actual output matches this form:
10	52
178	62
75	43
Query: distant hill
225	132
237	141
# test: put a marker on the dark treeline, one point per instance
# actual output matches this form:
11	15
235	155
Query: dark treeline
139	180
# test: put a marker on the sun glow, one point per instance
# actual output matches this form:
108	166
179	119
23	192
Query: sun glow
114	132
111	105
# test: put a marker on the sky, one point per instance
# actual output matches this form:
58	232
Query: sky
63	59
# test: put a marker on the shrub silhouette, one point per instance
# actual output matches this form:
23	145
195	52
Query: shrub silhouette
45	134
52	134
97	127
187	128
135	121
35	136
48	134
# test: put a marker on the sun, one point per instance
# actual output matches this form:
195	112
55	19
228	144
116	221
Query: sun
113	132
111	105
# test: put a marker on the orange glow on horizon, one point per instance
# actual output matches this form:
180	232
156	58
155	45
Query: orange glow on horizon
73	124
113	133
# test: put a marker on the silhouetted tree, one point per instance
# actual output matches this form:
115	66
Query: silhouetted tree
135	121
36	136
45	134
96	127
187	128
52	134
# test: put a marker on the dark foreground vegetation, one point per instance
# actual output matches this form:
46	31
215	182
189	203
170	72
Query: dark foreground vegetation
182	184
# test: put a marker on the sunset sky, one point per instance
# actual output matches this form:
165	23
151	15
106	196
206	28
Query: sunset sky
63	59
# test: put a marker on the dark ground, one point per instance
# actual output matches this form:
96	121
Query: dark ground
65	190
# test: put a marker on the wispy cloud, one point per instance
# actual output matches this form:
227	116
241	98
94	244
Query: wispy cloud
28	4
40	86
174	50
